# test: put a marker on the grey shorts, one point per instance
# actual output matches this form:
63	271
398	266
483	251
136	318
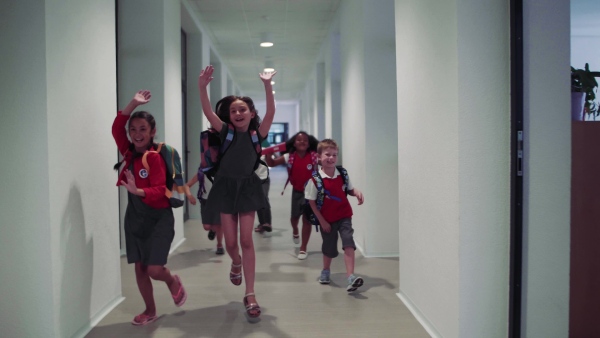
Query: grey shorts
344	227
298	202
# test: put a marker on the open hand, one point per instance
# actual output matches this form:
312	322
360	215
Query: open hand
326	227
192	199
130	184
142	97
359	195
267	76
205	76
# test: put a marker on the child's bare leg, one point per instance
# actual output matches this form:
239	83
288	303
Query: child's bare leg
349	260
219	231
145	286
294	222
163	274
306	230
247	244
327	263
229	227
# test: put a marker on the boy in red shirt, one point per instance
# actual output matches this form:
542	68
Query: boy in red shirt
335	214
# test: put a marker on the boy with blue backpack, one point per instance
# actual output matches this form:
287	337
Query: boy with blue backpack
326	193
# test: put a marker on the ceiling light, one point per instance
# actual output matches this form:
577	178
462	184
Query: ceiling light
273	92
269	68
266	40
272	82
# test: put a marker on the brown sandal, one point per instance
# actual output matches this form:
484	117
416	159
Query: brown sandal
252	309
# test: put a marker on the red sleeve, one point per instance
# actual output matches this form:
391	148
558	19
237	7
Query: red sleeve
158	179
119	133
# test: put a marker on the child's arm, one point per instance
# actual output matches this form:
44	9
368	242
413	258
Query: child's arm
203	81
324	224
190	184
358	194
263	130
140	98
271	162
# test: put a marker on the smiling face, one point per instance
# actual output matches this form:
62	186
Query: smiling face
301	142
328	157
240	115
141	134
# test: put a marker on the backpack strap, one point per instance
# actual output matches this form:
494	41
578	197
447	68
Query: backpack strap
345	177
145	157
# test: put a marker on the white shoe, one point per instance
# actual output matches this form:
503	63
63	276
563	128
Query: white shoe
302	255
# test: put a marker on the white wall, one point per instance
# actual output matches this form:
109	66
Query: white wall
454	239
547	169
368	121
59	83
28	290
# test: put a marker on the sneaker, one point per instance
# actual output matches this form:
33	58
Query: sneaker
211	235
220	250
354	283
324	279
302	255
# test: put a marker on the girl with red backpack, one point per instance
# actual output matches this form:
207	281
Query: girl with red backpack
302	160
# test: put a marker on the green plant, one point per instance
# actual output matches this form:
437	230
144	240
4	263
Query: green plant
582	80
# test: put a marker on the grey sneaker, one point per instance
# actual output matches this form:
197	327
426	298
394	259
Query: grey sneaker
354	283
324	279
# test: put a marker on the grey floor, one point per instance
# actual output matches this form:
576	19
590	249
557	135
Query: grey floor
293	303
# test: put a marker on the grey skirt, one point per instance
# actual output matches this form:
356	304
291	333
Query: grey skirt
232	195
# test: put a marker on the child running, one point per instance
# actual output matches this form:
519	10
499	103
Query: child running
237	190
211	219
335	213
149	221
301	163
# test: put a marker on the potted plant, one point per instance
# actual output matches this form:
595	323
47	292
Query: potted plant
583	85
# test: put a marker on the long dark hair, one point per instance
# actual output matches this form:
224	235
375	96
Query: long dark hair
141	114
222	109
312	142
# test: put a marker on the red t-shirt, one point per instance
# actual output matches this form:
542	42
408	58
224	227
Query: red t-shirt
154	182
301	172
334	210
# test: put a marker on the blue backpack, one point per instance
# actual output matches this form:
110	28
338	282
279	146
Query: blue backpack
321	193
212	150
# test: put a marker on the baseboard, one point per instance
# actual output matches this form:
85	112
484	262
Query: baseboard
376	255
98	317
419	316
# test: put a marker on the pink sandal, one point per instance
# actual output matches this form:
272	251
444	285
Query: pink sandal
180	297
235	278
143	319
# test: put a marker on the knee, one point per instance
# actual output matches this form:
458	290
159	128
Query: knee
247	245
155	271
206	226
141	270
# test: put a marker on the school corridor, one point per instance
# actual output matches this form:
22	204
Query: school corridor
293	303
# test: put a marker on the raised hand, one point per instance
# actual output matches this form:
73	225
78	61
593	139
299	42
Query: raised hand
205	76
267	76
130	184
142	97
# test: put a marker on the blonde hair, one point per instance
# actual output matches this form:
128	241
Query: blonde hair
326	143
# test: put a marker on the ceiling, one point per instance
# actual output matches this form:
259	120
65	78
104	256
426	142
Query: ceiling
298	29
